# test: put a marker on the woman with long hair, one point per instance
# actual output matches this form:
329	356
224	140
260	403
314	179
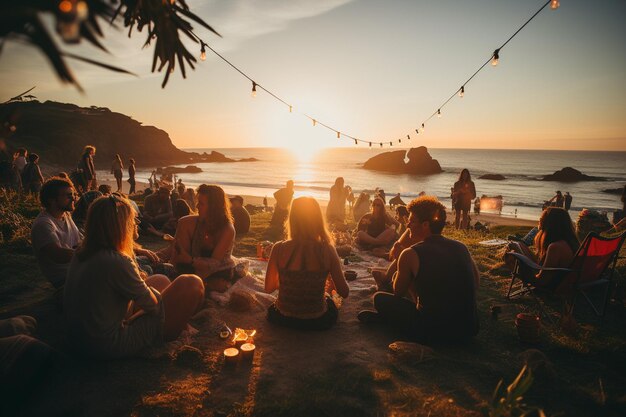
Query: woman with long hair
116	169
376	228
303	268
204	242
336	209
111	308
556	245
463	193
361	206
88	168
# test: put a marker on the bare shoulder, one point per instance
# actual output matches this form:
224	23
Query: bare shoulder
560	246
187	222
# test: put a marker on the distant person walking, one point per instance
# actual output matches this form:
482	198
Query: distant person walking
336	209
116	170
32	180
131	175
463	193
87	166
283	199
567	200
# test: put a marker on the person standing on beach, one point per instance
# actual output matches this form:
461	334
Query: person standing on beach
283	199
336	209
463	193
567	200
131	175
116	170
87	166
557	200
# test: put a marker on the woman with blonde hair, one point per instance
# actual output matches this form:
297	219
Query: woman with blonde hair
116	169
111	308
204	242
303	268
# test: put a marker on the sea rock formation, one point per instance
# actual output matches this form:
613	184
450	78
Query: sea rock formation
189	169
420	162
493	177
616	191
569	174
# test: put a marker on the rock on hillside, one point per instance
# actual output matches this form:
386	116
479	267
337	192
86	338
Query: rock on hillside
58	132
420	162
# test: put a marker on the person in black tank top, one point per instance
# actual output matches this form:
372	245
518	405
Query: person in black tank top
434	289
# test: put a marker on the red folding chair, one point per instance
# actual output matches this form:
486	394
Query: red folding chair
592	268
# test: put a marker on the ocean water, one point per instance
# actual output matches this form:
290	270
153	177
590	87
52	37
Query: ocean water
521	191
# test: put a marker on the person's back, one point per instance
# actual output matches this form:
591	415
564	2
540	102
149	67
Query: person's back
241	218
446	288
153	205
303	270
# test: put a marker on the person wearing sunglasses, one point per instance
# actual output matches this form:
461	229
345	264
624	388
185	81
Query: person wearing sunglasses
434	289
54	234
376	228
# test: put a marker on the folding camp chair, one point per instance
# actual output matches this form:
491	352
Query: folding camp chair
592	268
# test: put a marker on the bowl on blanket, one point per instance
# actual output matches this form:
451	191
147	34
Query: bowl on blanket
350	275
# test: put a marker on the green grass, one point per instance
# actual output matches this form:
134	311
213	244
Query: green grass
580	374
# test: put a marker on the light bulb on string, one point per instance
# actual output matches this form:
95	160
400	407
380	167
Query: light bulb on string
253	89
381	144
408	137
423	127
462	91
314	122
370	144
355	142
390	143
399	140
290	109
202	53
496	57
554	4
417	131
438	112
338	135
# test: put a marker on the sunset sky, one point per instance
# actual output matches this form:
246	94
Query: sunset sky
373	69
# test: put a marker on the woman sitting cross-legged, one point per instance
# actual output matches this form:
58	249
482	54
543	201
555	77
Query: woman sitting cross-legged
375	228
303	269
556	245
204	242
112	310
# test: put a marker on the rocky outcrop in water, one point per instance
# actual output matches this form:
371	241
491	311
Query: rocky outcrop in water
569	174
419	162
493	177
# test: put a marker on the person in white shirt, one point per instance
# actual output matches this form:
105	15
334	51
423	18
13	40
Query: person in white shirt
54	234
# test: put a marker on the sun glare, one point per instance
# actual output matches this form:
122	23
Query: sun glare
305	151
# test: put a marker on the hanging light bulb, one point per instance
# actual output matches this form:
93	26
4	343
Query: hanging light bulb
438	112
338	135
370	144
462	92
355	142
554	4
417	131
390	143
314	122
496	57
253	89
381	144
202	53
399	140
290	109
423	127
408	137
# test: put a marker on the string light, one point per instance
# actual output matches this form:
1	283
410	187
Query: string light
495	57
408	137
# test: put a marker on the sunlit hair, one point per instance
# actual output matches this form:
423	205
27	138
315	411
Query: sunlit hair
428	209
119	159
339	182
218	211
87	150
465	176
402	211
381	213
306	222
362	197
51	189
110	225
555	224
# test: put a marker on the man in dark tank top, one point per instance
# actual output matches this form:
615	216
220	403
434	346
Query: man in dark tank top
434	289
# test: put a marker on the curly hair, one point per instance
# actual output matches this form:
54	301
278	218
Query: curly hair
429	209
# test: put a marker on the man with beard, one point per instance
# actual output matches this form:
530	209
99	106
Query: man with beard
54	234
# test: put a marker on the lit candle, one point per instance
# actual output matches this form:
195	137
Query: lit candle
247	350
231	355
